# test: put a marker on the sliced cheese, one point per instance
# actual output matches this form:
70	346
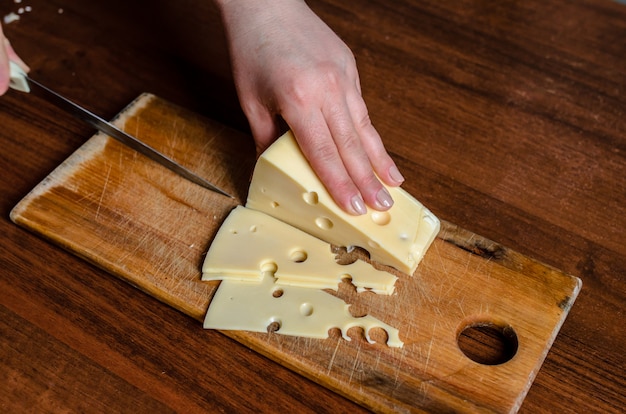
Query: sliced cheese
285	186
250	242
291	310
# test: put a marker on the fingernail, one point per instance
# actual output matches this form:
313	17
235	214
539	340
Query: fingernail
396	175
358	205
383	198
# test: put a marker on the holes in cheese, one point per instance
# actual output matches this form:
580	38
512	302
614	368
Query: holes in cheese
381	218
298	255
324	223
296	311
250	243
285	186
310	198
306	309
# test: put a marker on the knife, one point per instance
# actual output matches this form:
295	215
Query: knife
21	82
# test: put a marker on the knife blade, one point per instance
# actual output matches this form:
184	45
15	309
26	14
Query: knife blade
21	82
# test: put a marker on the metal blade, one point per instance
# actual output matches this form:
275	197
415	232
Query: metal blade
113	131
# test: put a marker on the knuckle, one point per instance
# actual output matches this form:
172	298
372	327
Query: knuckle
368	182
364	121
325	77
325	153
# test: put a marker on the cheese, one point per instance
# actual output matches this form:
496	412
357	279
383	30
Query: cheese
250	242
274	256
289	310
285	186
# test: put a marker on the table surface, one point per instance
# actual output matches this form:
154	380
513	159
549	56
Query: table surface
507	118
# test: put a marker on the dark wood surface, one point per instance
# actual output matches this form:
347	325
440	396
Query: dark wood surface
507	118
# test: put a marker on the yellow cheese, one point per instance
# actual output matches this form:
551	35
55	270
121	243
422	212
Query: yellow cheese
250	242
290	310
285	186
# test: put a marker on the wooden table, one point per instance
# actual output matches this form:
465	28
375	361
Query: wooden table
509	119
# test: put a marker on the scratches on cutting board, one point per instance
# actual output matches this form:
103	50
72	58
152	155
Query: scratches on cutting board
104	189
357	363
430	347
172	137
397	367
208	143
332	358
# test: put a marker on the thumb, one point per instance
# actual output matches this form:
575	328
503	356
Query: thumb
265	129
7	54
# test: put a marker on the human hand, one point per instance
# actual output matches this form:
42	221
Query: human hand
288	63
7	54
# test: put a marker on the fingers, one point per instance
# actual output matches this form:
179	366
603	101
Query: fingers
342	146
382	163
356	160
380	160
7	54
345	154
4	64
315	140
337	138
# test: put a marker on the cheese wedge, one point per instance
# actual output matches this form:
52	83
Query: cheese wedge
285	186
291	310
250	242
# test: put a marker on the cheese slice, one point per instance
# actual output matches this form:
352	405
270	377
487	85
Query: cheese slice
250	242
285	186
291	310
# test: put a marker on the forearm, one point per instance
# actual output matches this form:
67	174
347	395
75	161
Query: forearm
258	16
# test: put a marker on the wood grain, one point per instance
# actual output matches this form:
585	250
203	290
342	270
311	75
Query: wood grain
506	118
130	216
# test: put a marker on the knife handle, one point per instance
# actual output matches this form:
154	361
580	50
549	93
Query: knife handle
18	78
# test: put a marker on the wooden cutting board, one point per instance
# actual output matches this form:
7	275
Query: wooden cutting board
148	226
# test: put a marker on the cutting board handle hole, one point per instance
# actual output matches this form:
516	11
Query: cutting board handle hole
488	343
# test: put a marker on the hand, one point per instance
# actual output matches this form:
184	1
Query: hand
6	54
288	63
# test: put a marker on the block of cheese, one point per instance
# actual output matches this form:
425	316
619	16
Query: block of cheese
289	310
285	186
250	242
